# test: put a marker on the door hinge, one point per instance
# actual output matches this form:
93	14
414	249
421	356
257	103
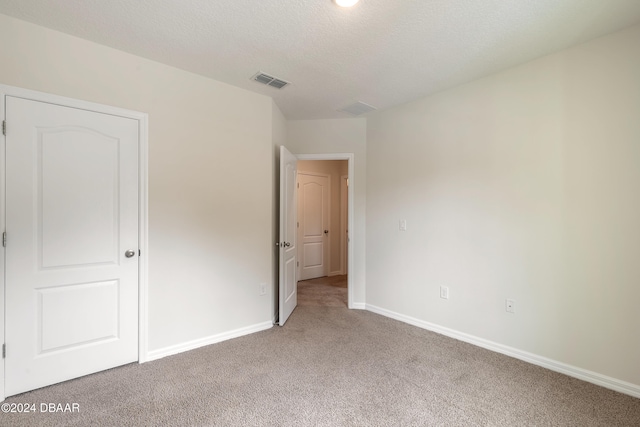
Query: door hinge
4	351
139	252
298	185
4	127
4	239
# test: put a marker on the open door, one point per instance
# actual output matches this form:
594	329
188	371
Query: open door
288	250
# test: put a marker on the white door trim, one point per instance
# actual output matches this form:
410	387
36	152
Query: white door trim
349	157
344	179
143	203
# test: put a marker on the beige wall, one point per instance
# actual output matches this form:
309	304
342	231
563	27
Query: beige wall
334	169
521	185
210	153
340	136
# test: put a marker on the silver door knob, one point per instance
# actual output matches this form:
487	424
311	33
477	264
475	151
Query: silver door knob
287	244
129	253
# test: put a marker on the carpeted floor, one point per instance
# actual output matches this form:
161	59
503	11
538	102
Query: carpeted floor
323	292
330	366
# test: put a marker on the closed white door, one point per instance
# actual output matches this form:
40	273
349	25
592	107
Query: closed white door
313	232
288	286
72	243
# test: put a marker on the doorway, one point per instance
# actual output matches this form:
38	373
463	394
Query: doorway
288	245
322	228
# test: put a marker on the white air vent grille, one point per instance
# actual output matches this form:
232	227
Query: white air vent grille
358	108
269	80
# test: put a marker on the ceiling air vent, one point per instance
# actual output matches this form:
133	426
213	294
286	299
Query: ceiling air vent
268	80
358	108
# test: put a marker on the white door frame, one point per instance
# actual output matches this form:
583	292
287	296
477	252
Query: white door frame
143	218
344	209
349	157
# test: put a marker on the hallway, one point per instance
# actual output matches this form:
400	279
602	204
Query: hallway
323	291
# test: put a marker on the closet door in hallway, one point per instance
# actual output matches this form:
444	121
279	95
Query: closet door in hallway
313	225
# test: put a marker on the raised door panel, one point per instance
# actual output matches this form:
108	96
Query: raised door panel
77	315
78	197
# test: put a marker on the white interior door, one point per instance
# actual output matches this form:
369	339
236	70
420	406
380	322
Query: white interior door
72	243
313	232
288	292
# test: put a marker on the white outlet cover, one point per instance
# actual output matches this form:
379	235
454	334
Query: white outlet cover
510	306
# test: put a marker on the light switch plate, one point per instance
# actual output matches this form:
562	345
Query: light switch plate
444	292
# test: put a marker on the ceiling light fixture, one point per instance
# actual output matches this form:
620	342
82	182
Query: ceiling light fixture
345	3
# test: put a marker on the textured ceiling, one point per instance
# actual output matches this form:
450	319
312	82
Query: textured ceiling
381	52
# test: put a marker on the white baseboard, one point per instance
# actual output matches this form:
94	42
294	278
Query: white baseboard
201	342
554	365
358	306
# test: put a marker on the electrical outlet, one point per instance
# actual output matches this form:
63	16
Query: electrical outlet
510	306
403	225
263	288
444	292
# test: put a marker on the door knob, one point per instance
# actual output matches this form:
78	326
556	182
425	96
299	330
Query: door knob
287	244
129	253
326	231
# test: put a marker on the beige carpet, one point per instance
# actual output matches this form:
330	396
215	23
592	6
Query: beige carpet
323	292
330	366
